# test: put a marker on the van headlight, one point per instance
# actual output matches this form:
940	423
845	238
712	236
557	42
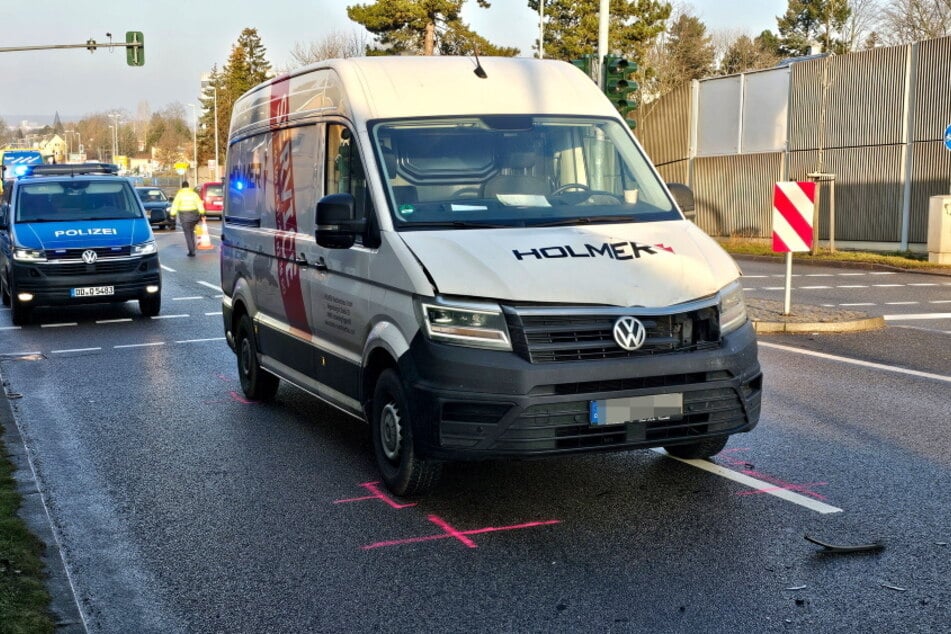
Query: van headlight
732	307
29	255
145	248
466	324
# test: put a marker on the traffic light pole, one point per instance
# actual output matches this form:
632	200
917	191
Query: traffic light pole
134	43
604	14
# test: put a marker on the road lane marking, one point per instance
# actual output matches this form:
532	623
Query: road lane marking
179	316
114	321
850	274
882	273
182	299
209	285
167	268
64	324
19	354
11	327
887	285
852	286
200	340
813	288
768	488
917	316
859	362
818	274
923	284
858	304
900	303
74	350
140	345
213	313
941	301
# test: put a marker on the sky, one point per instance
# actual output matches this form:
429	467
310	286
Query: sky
185	38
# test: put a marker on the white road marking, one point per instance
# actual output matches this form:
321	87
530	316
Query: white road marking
200	340
209	285
941	301
852	286
213	313
758	485
75	350
182	299
813	288
755	276
64	324
774	288
140	345
10	327
923	284
900	303
858	304
167	268
850	274
865	364
819	275
918	316
168	316
114	321
20	354
887	285
882	273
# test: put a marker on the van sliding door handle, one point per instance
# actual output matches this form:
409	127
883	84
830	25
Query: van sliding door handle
320	264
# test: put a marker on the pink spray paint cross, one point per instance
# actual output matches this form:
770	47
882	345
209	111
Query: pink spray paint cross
747	469
450	531
376	494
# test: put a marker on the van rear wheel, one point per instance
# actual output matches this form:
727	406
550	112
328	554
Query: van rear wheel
257	383
391	428
701	449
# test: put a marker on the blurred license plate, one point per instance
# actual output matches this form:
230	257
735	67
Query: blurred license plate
615	411
92	291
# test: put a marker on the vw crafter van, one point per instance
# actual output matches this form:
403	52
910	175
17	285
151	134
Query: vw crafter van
479	261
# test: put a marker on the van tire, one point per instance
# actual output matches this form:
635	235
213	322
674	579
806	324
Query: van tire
391	429
19	312
5	292
150	306
701	449
257	383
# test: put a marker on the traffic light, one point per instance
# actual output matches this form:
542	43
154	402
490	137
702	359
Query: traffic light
615	72
135	48
586	64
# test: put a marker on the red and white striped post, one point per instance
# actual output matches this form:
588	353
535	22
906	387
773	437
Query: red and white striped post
793	208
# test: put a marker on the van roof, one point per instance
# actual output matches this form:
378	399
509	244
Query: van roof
364	88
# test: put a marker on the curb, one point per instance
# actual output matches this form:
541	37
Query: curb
780	327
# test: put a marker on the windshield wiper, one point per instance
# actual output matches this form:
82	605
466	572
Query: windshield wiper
452	224
585	220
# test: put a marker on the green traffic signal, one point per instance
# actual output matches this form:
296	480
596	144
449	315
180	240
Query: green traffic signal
135	48
618	87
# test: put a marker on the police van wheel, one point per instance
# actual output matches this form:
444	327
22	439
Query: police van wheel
19	312
5	292
257	383
392	432
701	449
150	306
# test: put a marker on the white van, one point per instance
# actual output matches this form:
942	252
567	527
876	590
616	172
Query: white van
479	260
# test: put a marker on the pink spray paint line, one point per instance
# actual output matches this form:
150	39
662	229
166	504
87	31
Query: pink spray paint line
376	494
237	397
452	532
747	469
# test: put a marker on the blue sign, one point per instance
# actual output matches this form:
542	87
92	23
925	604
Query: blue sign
947	137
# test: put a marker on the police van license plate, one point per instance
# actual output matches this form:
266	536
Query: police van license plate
616	411
92	291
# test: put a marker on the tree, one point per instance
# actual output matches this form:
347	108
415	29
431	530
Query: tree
907	21
6	134
169	135
746	53
689	48
247	67
814	21
335	45
423	27
571	30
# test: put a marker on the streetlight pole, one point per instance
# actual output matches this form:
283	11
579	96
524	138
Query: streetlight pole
115	135
217	177
195	141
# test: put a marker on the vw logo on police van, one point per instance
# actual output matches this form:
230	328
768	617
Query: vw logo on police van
90	256
629	332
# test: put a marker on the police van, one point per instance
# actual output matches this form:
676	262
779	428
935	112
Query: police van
75	234
477	258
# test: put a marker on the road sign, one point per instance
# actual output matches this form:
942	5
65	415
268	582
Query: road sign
947	137
182	165
793	208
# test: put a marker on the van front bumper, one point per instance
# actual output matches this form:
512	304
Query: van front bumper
52	284
475	404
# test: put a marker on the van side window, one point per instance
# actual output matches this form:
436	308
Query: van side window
344	169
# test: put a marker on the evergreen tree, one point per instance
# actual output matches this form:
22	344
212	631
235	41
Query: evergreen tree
814	21
689	48
57	124
422	27
571	28
746	53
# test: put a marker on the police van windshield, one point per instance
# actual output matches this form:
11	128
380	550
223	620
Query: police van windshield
75	199
502	171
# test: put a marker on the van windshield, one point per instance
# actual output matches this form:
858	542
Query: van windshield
501	171
76	199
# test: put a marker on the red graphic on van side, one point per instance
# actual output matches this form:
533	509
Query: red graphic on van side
285	241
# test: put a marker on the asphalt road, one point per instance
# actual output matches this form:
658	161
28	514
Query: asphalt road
181	507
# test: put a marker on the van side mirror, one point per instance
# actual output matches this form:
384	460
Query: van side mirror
337	226
683	196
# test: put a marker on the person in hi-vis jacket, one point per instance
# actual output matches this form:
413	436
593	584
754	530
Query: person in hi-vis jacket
189	209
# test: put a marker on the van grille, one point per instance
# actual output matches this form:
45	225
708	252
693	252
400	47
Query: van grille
77	254
98	268
554	338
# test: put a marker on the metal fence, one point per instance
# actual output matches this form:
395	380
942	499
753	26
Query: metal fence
875	119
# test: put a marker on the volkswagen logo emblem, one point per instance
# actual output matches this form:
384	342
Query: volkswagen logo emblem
90	257
629	333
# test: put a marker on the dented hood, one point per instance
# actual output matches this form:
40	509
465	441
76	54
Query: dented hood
651	264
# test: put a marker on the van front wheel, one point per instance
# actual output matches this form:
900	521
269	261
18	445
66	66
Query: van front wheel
391	428
257	383
700	449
